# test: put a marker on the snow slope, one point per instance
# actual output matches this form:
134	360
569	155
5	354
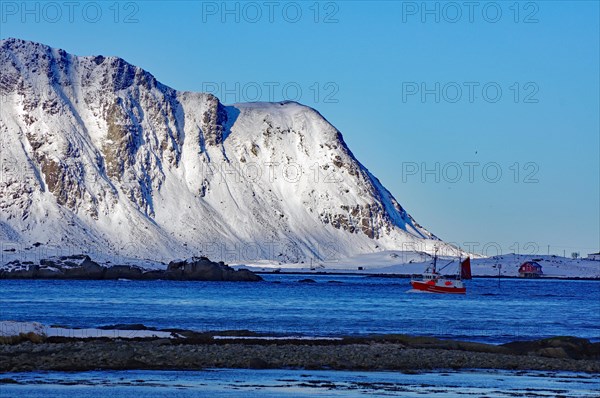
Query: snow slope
97	156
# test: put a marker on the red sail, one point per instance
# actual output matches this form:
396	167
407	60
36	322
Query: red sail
465	268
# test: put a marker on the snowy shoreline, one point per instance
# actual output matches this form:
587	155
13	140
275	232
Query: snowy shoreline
385	264
15	329
405	264
408	276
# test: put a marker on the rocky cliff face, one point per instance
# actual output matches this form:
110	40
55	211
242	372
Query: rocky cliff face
98	155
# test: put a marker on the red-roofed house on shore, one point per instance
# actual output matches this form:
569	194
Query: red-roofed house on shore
530	269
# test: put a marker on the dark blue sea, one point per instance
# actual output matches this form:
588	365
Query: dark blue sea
492	311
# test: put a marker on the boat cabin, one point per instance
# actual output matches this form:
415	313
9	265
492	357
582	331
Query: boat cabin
530	269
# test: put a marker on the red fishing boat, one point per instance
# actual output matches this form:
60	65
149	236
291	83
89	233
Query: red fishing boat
434	282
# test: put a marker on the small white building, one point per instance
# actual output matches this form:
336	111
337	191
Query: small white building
594	256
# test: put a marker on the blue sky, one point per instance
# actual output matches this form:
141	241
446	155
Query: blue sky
435	101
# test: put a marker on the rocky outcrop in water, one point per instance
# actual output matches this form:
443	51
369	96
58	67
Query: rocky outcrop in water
557	347
202	269
83	267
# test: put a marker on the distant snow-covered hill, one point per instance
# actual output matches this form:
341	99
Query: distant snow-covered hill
97	155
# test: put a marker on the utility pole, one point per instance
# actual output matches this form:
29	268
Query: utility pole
499	269
548	249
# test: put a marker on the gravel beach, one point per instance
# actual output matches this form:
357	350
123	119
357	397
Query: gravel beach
402	353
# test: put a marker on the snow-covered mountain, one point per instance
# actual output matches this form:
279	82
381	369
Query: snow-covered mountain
97	155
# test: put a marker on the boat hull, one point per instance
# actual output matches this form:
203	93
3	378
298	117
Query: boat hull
432	288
